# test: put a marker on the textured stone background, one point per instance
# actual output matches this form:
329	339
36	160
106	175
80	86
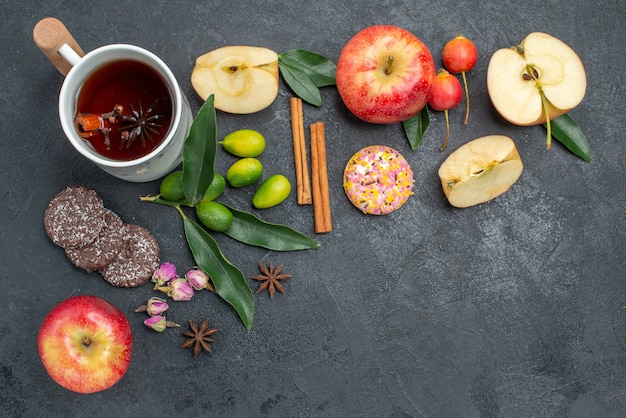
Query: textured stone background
515	308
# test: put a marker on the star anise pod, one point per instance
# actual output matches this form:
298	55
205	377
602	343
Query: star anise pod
139	123
271	278
199	337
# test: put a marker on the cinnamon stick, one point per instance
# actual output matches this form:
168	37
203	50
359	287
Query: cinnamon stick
303	188
319	176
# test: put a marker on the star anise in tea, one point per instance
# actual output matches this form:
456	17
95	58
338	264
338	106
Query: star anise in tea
199	337
271	278
139	123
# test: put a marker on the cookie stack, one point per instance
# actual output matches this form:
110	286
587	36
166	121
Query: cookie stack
96	239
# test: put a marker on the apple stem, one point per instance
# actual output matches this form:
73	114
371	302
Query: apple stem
544	103
445	143
86	341
533	74
467	99
389	69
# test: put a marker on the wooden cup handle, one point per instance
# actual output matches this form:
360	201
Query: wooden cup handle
50	35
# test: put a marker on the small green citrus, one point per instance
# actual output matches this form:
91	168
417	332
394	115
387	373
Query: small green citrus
244	143
171	187
214	215
215	189
244	172
271	192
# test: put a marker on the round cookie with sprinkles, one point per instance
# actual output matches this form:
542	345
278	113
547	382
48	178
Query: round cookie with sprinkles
378	180
104	249
136	261
74	217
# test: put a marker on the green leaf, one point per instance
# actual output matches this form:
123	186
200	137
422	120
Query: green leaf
251	230
229	282
199	153
301	84
320	70
416	127
566	130
305	72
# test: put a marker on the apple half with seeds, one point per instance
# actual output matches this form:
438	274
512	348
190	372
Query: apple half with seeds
535	81
243	79
480	170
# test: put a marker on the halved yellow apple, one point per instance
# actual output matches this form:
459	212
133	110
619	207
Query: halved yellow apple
480	170
538	80
243	79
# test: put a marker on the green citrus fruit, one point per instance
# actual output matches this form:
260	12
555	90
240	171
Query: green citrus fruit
271	192
172	186
244	143
244	172
215	188
214	215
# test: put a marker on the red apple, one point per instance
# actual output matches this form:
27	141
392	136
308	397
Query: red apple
85	344
384	74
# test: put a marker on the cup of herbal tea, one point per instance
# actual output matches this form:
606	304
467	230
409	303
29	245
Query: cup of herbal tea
120	105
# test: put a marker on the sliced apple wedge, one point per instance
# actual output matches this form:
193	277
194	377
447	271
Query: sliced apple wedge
538	80
480	170
243	79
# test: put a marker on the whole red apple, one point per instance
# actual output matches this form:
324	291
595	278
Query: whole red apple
85	344
384	74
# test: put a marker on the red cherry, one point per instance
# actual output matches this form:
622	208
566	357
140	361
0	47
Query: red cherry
459	56
445	94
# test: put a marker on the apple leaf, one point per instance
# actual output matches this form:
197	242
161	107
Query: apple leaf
301	85
229	282
199	153
416	127
566	130
319	69
305	72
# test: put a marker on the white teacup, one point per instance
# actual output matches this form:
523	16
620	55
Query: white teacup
158	162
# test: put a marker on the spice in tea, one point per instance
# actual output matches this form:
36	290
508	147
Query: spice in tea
124	110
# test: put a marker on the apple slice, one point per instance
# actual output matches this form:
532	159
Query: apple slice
537	81
480	170
243	79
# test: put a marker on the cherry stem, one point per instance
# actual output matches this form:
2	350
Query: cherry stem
389	69
467	99
445	143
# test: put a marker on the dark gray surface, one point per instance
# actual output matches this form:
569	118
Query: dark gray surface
515	308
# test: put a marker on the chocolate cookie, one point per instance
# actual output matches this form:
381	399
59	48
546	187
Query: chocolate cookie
104	249
74	217
136	261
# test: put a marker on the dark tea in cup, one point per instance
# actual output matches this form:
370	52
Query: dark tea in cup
124	110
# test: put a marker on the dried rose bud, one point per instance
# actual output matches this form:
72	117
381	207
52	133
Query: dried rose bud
157	323
180	290
156	306
197	278
165	273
